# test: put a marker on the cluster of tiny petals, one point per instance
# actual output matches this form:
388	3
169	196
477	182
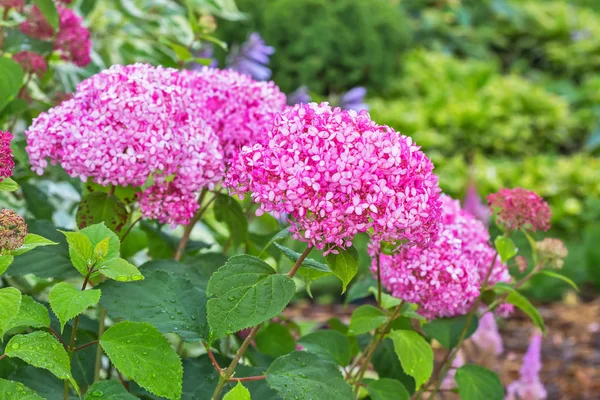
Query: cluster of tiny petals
552	252
31	62
444	278
337	173
519	208
12	230
6	157
237	107
128	124
36	25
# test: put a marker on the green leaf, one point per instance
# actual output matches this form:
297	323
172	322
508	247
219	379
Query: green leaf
275	340
239	392
5	262
302	375
415	354
182	52
360	288
32	241
521	302
285	232
328	344
558	276
101	249
387	365
6	185
68	302
387	389
308	263
10	390
80	251
108	390
120	270
11	80
97	233
229	211
10	302
344	265
37	201
506	248
478	383
365	319
31	314
387	301
99	207
48	9
447	331
246	292
139	351
158	300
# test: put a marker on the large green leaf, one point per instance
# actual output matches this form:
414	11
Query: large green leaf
275	340
10	390
387	389
344	265
68	302
239	392
120	270
7	185
99	232
387	365
169	302
42	382
302	375
5	262
246	292
447	330
521	301
100	207
139	351
108	390
505	247
10	302
478	383
328	344
365	319
48	9
32	241
229	211
80	251
31	314
11	80
415	354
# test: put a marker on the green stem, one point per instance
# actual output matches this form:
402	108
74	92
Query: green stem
379	279
98	364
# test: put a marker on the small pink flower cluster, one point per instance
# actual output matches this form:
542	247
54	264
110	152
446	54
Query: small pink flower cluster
13	230
236	106
6	158
520	209
125	126
36	25
31	62
337	173
16	4
445	278
529	386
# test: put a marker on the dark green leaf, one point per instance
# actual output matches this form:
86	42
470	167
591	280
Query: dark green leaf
308	263
100	207
68	302
285	232
415	354
360	288
275	340
365	319
10	390
447	331
344	265
108	390
387	389
387	365
11	80
328	344
561	277
37	201
31	314
478	383
229	211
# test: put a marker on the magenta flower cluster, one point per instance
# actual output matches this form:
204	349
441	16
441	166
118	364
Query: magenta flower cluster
519	208
31	62
6	157
337	173
445	278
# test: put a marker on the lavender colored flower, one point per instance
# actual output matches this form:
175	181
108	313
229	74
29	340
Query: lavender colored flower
475	206
487	335
204	52
354	99
252	58
299	96
529	386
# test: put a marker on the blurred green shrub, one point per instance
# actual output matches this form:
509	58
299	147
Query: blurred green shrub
329	46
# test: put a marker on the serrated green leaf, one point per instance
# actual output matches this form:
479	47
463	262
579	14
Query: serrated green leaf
521	302
68	302
275	340
5	262
80	251
365	319
11	80
505	247
304	375
48	9
10	302
7	185
447	331
387	365
561	277
139	351
100	207
97	233
308	263
239	392
478	383
229	211
415	354
31	242
10	390
31	314
120	270
387	389
246	292
328	344
108	390
387	301
344	265
101	249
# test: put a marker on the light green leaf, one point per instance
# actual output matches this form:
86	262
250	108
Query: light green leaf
68	302
304	375
31	242
328	344
387	389
5	262
101	249
6	185
97	233
10	390
478	383
387	301
239	392
108	390
120	270
10	302
182	52
521	301
365	319
344	265
409	310
80	251
246	292
308	263
447	331
32	314
100	207
505	247
415	354
11	80
229	211
560	277
48	9
275	340
139	351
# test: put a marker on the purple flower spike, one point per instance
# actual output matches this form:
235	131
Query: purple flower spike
299	96
252	58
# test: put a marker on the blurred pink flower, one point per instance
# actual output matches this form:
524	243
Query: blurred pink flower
529	386
6	156
520	209
475	206
31	62
487	335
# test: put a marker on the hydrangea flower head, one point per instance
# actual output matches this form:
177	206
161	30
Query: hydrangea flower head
552	252
12	230
6	157
126	125
529	386
519	208
36	25
236	106
16	4
31	62
337	173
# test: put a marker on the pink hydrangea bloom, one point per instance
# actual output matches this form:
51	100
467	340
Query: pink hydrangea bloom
31	62
529	386
236	106
6	157
487	335
337	173
520	209
36	25
128	124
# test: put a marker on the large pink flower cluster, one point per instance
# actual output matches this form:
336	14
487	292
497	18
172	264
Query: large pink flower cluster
519	208
126	125
445	278
6	156
337	173
236	106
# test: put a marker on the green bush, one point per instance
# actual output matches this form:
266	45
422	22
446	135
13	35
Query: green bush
329	46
